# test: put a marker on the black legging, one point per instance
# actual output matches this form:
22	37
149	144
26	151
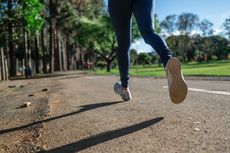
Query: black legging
121	13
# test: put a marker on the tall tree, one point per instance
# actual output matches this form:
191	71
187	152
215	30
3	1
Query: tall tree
52	32
207	30
133	56
219	47
187	22
32	23
99	36
12	70
226	25
169	24
206	27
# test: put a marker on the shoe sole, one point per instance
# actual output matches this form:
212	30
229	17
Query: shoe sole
178	89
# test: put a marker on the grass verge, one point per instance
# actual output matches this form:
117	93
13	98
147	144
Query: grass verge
214	68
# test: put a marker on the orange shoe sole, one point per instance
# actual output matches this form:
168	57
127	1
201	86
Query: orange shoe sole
178	89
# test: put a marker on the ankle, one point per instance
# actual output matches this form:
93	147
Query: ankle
125	88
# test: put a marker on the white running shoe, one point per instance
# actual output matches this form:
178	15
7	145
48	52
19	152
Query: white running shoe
177	86
123	92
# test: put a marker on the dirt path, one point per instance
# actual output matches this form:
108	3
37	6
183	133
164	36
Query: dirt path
86	116
21	126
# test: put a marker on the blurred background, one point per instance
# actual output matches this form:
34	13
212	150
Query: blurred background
46	36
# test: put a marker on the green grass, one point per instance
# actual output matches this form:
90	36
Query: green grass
214	68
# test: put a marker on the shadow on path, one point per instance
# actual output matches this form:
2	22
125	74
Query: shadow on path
84	108
103	137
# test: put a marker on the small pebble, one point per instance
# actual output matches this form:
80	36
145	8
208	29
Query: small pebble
45	89
12	86
26	104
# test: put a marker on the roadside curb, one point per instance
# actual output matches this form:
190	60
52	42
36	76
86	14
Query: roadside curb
206	78
209	78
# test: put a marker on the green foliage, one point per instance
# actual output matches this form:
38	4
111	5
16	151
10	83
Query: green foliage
91	9
219	47
194	47
199	48
135	31
67	17
97	35
31	13
95	8
157	24
87	33
144	58
133	57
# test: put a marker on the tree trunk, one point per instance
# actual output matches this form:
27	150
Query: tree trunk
22	65
52	27
0	71
64	60
36	54
108	69
29	53
6	70
82	51
44	62
25	47
57	52
68	52
16	66
52	34
3	74
59	45
10	41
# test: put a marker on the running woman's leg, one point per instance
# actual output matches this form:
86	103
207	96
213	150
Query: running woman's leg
121	14
143	12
